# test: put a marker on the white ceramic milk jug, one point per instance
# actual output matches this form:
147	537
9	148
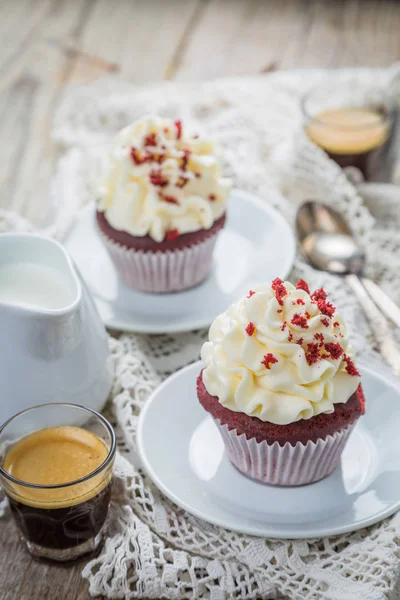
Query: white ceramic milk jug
53	345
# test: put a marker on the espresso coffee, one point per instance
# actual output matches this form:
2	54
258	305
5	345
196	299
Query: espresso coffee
356	137
60	517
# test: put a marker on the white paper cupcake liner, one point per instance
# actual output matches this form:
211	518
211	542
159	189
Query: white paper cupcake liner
284	465
161	272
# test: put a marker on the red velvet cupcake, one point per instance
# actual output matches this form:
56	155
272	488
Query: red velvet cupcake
162	205
281	385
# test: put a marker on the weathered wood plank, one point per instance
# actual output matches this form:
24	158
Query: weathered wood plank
243	38
137	38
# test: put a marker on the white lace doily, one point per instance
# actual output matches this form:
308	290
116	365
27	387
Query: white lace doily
155	549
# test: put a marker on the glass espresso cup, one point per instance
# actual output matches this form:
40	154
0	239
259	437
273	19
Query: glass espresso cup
56	467
356	126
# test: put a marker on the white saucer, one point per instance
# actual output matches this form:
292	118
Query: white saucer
183	453
256	245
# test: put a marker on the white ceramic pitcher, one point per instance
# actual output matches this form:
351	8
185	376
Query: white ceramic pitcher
53	349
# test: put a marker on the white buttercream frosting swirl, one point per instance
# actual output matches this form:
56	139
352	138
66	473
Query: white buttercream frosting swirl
279	358
162	178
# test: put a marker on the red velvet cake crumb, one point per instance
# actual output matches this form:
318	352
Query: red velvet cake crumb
299	320
268	360
350	366
212	197
178	125
300	341
181	182
250	329
185	159
138	157
319	294
300	301
157	178
250	294
335	350
302	285
169	199
312	354
320	339
279	289
150	140
325	322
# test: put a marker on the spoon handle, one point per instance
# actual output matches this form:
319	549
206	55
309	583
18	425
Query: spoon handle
379	324
380	298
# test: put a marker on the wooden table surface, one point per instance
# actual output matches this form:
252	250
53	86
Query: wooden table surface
48	44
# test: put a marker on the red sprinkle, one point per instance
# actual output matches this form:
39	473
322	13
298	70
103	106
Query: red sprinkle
212	197
250	329
279	289
350	366
335	350
156	178
312	354
178	125
283	326
290	336
300	301
169	199
250	294
137	158
336	324
171	235
268	360
302	285
279	310
300	321
320	338
325	322
150	140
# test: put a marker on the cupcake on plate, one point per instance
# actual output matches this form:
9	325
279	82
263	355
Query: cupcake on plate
280	382
161	205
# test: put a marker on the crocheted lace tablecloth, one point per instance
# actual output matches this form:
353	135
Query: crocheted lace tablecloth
155	549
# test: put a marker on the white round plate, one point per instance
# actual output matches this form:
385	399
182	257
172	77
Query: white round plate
182	451
255	246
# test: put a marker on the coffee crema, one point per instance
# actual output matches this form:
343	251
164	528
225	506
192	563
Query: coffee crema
348	130
355	137
65	517
56	456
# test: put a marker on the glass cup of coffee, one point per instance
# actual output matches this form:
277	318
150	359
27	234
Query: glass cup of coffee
356	126
56	468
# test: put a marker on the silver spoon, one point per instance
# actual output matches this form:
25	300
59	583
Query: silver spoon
327	243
